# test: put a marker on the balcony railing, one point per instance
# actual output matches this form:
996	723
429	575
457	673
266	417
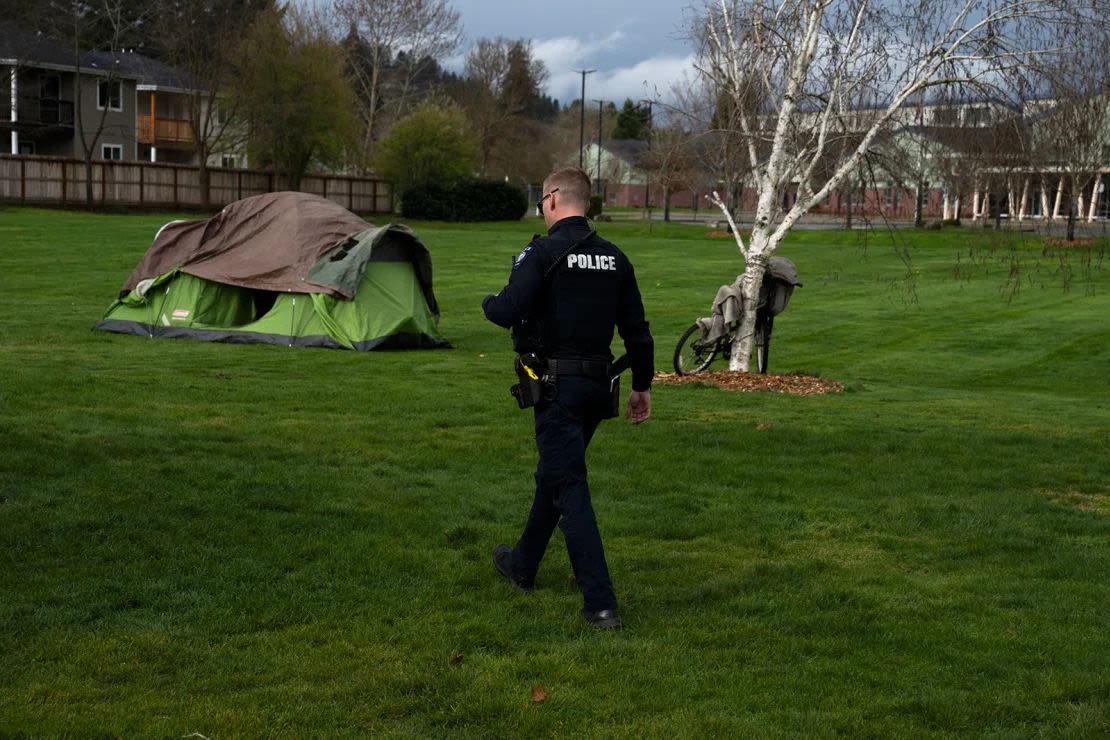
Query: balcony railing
33	111
162	131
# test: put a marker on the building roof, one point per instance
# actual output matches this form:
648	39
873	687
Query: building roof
37	49
25	47
632	151
148	71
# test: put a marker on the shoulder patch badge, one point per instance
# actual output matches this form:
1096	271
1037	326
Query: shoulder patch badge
520	257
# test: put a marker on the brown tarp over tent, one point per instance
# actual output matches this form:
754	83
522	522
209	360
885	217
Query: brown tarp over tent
297	229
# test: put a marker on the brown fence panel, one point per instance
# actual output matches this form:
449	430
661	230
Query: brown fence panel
158	186
10	180
61	181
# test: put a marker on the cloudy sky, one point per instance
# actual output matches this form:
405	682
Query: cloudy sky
636	46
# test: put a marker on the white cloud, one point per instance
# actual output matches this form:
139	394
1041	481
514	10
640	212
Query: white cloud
651	78
566	52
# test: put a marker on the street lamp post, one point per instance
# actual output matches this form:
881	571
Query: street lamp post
582	116
647	170
597	177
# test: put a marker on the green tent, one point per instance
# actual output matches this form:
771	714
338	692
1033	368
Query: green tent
283	268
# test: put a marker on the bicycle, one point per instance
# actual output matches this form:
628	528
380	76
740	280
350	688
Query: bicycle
694	353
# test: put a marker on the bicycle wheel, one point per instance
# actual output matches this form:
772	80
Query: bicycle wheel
693	355
763	326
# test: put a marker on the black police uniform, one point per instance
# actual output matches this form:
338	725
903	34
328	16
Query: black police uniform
589	292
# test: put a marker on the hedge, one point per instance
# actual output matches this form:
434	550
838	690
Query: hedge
466	200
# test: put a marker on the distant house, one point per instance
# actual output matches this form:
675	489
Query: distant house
163	127
622	169
144	103
51	94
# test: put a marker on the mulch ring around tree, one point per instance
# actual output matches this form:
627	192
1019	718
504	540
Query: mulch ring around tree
1065	244
798	385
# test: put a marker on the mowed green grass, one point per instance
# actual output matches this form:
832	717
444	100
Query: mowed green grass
256	540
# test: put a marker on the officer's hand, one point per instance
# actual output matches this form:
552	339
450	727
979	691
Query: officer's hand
639	406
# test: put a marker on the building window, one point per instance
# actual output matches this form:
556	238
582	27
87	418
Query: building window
26	147
113	152
109	94
946	117
229	161
977	117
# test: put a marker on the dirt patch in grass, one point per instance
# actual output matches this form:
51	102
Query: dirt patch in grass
1091	502
798	385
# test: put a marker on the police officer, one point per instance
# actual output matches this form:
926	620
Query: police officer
573	288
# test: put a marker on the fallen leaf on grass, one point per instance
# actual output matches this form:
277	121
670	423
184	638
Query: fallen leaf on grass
538	694
798	385
456	659
762	427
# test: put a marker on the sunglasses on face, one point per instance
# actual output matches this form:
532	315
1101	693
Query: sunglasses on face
539	203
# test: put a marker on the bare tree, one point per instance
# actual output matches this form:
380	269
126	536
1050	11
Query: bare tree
1073	129
200	39
102	26
389	43
824	68
713	117
501	87
673	163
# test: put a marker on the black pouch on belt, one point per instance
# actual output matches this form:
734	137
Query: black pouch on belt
615	370
614	397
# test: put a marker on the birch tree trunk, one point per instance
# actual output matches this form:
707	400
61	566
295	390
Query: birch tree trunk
749	281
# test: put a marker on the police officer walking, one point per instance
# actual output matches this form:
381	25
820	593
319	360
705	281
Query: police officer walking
566	294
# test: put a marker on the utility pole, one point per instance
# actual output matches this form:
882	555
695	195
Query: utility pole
647	172
582	116
597	177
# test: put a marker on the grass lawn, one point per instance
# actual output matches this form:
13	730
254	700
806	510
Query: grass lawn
256	540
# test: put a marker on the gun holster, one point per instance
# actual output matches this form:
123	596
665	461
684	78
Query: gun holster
535	384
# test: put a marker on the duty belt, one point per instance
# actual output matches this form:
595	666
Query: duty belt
587	368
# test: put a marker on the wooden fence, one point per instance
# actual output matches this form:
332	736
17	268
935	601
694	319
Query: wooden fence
61	181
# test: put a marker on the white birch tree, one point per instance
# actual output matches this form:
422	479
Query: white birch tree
831	71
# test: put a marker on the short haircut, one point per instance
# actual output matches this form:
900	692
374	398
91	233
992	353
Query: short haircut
573	184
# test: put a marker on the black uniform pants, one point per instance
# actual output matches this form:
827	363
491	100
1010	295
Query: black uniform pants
564	428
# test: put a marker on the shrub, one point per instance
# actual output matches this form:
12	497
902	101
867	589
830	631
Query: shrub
466	200
432	144
428	202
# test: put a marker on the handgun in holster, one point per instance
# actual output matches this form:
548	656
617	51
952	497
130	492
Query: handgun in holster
535	384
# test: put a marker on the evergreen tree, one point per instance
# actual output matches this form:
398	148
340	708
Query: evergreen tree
633	122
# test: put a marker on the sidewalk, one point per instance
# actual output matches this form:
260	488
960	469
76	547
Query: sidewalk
714	219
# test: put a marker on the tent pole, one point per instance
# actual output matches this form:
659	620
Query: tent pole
292	320
165	297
